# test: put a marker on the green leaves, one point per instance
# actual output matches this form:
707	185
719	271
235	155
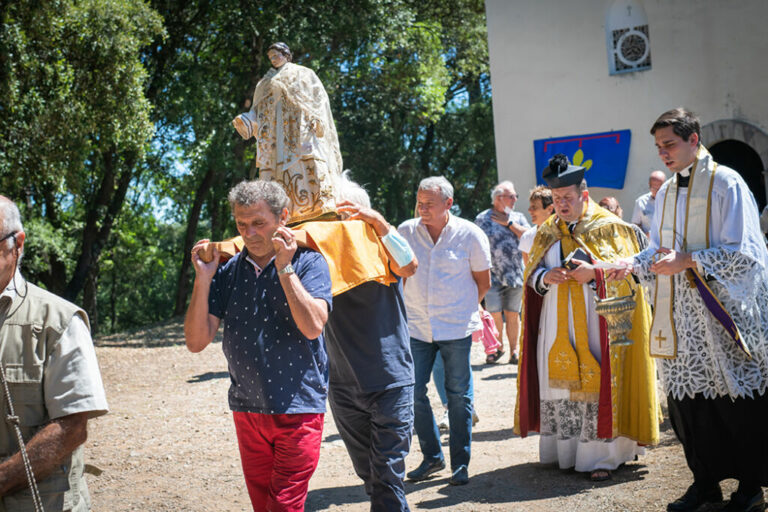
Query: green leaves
73	85
115	128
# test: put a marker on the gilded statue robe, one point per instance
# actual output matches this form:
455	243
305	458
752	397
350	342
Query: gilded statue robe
296	140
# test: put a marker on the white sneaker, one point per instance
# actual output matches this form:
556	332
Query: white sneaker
444	425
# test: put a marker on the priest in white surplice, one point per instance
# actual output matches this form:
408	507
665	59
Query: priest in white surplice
591	402
706	268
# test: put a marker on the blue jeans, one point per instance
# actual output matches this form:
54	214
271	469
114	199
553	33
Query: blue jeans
438	378
458	375
376	429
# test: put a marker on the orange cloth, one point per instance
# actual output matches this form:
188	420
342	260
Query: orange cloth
352	250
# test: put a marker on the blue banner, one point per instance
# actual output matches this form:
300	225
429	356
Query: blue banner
605	156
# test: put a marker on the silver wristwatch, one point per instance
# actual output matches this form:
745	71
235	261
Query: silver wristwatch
288	269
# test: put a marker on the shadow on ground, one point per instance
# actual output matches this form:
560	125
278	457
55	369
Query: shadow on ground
491	487
332	438
321	499
480	436
500	376
203	377
479	369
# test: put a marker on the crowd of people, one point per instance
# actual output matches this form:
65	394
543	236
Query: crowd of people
295	340
697	249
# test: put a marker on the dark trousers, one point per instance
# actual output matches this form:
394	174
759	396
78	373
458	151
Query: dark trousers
723	438
376	429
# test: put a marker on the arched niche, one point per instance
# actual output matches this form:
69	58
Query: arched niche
726	130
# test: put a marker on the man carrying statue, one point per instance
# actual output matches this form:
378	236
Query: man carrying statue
707	266
593	403
296	140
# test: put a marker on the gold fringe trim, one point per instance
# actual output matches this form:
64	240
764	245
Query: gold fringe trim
573	385
583	396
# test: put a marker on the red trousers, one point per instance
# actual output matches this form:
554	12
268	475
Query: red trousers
279	453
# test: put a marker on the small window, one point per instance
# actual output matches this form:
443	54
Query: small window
627	37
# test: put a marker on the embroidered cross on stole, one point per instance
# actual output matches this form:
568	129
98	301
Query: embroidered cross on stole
695	236
573	368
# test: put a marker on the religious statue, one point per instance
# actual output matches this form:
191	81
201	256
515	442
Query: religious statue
297	144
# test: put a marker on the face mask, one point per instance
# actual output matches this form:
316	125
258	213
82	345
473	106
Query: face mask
398	248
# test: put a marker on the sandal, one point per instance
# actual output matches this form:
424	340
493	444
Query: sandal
492	358
600	475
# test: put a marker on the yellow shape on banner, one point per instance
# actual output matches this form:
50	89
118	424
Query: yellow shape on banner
578	158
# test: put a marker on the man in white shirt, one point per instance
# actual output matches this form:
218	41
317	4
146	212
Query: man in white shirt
645	204
441	302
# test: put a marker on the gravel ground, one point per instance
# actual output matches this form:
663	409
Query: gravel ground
169	444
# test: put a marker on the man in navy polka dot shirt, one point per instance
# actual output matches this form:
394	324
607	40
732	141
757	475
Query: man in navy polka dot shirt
274	299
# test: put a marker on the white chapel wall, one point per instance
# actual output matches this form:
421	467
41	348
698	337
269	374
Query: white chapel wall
549	74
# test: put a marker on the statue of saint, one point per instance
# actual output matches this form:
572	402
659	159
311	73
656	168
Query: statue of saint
297	144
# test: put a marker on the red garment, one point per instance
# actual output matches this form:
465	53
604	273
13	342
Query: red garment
279	453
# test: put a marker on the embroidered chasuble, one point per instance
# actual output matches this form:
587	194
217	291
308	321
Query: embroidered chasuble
621	386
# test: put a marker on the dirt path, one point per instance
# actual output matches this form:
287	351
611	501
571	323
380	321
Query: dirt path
169	444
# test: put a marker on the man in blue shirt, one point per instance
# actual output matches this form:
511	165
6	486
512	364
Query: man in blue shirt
371	369
504	227
274	299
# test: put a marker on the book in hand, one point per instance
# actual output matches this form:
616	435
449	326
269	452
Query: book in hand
577	254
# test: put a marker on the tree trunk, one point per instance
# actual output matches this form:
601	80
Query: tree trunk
214	208
182	287
426	149
105	207
90	299
113	293
481	175
54	277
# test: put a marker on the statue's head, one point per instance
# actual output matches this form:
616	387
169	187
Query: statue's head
279	54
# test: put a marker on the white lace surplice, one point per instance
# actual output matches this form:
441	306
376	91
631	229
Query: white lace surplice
708	361
568	428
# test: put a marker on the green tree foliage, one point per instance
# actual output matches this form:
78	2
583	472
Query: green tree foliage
137	270
77	124
418	104
115	131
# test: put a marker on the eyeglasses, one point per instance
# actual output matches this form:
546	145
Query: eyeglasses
511	196
9	235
